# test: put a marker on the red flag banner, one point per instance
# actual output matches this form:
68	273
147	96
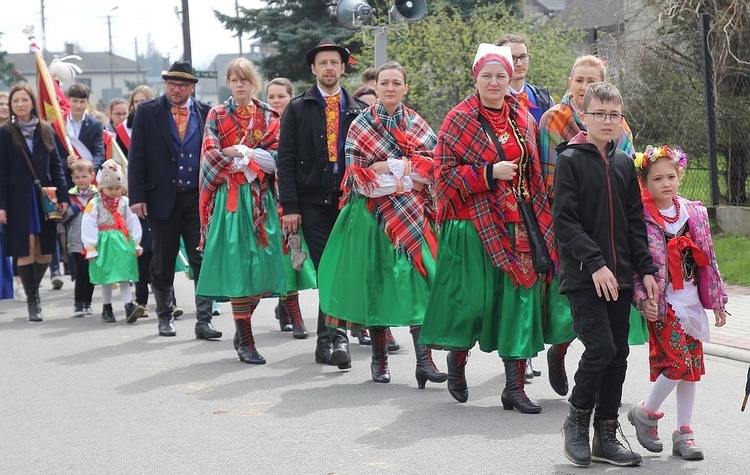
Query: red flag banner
53	105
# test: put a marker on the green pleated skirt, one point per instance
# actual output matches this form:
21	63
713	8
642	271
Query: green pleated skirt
304	278
116	261
363	279
234	264
558	321
472	300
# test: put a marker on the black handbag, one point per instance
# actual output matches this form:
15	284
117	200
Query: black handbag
539	256
47	195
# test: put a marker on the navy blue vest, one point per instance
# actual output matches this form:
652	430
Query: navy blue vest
188	151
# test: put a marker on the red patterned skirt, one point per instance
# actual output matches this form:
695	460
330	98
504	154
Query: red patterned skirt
672	352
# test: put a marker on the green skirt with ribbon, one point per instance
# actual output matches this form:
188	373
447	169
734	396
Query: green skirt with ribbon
116	262
363	279
235	264
472	300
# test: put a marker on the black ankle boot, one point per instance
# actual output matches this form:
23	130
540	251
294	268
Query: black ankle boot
558	378
108	316
362	336
576	434
282	315
607	449
340	355
299	332
392	343
31	288
457	386
426	369
246	343
514	395
379	364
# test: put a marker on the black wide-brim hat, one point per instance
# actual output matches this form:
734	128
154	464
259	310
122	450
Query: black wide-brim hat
180	71
327	44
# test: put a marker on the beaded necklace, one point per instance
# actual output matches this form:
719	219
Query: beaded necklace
676	217
498	120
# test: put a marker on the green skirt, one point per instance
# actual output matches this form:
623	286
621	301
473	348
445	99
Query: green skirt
363	279
558	321
116	261
234	264
472	300
304	278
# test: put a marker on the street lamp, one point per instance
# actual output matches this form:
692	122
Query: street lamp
357	14
111	55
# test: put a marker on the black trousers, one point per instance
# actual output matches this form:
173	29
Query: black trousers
184	221
603	329
317	223
84	289
144	278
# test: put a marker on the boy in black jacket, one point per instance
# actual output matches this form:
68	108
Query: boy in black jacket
598	220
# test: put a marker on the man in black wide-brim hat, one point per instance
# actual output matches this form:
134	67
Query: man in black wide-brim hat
311	166
163	166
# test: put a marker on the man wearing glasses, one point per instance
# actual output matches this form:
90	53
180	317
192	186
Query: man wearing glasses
537	99
163	165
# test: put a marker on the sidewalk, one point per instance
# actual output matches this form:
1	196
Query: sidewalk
733	339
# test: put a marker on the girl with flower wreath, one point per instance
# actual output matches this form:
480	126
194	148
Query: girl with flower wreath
241	234
679	237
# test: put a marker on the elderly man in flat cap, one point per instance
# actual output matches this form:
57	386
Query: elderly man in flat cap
163	166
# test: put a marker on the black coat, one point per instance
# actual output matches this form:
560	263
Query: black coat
16	186
598	217
305	174
152	160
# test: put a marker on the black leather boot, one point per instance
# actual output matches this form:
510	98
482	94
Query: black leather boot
323	350
246	343
426	369
379	364
576	434
392	343
282	315
340	348
164	312
514	395
108	315
558	378
299	331
457	386
607	449
363	338
31	288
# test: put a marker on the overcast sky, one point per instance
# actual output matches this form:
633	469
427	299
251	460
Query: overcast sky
85	22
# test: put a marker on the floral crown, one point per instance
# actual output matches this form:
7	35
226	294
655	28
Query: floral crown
651	154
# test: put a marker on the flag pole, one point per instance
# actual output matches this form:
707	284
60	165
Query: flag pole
47	79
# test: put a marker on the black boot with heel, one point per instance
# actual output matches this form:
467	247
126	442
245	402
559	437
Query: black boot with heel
379	364
426	369
514	395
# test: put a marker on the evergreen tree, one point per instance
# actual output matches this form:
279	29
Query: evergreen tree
6	69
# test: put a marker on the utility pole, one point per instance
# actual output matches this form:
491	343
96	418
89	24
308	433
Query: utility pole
111	52
137	63
44	30
239	33
187	54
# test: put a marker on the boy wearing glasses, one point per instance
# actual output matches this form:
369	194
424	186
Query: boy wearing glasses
537	99
598	220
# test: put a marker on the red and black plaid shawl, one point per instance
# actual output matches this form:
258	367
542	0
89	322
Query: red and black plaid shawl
404	218
222	131
462	154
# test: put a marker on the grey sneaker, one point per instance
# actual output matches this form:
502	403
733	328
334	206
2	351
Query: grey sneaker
683	444
646	427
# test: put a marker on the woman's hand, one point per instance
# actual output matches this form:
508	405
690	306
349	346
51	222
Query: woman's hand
63	207
381	168
721	317
3	217
231	152
417	186
71	160
505	170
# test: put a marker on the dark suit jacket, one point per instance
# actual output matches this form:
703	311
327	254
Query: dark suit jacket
16	186
91	137
152	159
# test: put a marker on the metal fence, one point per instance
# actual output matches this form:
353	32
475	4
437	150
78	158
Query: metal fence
663	86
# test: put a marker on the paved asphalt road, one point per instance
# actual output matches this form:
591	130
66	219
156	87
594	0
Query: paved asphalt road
79	396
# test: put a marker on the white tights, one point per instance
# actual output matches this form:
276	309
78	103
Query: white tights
125	293
685	395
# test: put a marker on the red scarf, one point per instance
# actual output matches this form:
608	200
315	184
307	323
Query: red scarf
111	205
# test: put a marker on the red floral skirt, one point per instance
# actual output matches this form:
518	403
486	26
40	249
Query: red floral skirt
672	352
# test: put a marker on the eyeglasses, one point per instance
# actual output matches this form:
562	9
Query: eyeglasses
120	114
601	117
182	86
524	58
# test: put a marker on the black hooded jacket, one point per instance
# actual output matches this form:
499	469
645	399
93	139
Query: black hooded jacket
598	216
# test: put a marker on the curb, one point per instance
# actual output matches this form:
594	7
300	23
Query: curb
736	354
